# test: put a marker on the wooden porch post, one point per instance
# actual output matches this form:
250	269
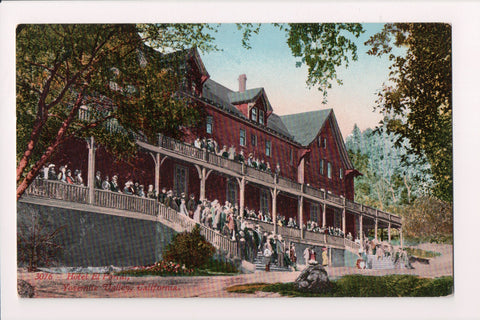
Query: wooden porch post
376	229
324	215
203	176
300	215
344	220
361	231
91	170
274	193
241	184
389	233
401	238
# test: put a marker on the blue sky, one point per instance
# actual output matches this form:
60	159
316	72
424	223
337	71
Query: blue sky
270	64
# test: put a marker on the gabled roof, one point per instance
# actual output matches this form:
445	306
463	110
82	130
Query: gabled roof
304	127
275	123
249	95
219	95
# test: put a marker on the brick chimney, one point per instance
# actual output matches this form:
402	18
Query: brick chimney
242	82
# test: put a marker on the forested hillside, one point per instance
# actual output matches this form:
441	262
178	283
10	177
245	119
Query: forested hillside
397	182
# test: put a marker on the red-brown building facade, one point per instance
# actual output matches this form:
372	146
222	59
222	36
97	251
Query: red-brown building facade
308	147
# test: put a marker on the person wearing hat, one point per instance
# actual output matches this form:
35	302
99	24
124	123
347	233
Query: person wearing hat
114	184
293	253
51	172
106	183
280	251
168	198
62	176
250	160
324	257
162	196
69	177
191	205
98	180
306	255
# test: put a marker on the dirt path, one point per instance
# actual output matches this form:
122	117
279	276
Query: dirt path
48	285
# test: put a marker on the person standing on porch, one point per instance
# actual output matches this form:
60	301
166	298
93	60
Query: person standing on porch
98	180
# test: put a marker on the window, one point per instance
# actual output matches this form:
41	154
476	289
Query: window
340	173
314	210
181	178
261	116
324	143
209	124
254	140
254	114
264	200
268	148
329	170
291	157
322	166
232	191
242	137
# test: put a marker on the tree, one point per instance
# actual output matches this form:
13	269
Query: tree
36	240
322	47
418	100
85	80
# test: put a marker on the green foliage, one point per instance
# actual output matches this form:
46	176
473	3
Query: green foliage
189	248
322	47
102	81
219	266
167	268
430	219
419	253
387	182
364	286
417	101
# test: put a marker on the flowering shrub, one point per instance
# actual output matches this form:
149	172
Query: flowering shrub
163	268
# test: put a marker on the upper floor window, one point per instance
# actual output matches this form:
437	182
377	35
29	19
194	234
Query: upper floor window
254	114
209	124
329	170
261	116
291	157
242	137
322	166
324	143
254	140
268	148
340	173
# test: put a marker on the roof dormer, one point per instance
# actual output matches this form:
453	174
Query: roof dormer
252	103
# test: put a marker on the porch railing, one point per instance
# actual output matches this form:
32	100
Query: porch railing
58	190
126	202
107	199
200	154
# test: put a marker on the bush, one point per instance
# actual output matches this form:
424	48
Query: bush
220	266
190	249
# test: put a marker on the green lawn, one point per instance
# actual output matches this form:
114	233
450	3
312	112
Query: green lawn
363	286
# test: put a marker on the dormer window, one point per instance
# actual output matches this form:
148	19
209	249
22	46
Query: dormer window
261	116
254	115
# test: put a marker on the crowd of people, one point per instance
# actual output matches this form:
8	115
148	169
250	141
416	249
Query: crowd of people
212	146
64	174
223	218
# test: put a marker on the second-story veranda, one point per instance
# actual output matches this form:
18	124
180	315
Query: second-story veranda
335	211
